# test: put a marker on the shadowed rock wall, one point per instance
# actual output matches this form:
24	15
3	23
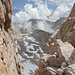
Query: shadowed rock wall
9	62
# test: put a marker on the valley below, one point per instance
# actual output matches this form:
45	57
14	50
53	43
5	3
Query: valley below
33	42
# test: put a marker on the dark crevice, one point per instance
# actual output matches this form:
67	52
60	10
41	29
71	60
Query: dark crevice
63	73
2	58
7	23
1	26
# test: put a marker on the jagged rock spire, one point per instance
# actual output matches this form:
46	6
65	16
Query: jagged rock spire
73	11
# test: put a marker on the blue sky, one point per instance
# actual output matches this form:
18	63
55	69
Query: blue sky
19	3
22	3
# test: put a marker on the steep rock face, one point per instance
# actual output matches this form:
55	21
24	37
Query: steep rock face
61	60
9	62
67	30
62	55
73	11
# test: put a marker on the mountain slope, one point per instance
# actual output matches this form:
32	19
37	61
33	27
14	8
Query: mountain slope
40	24
31	47
9	62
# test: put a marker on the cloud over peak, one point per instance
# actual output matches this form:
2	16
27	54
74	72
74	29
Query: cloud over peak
30	12
41	11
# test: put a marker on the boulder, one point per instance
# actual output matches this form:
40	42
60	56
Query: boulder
61	55
64	52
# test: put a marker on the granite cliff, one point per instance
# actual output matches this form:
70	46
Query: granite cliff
61	57
9	62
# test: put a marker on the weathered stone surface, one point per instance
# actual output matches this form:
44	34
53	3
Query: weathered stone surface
70	70
9	62
1	13
61	55
46	71
64	52
73	11
67	30
43	66
60	71
43	60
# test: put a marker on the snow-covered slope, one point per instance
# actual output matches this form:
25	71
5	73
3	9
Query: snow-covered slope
44	25
32	41
30	48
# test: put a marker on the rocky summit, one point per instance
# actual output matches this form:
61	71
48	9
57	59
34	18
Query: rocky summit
9	62
61	57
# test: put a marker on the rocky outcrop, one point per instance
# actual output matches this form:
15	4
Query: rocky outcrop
67	30
70	70
61	57
9	62
72	14
57	62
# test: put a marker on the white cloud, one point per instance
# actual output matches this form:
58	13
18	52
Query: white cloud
61	10
39	12
58	2
63	7
32	12
20	17
44	11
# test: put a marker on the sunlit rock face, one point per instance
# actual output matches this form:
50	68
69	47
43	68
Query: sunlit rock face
9	62
61	57
67	30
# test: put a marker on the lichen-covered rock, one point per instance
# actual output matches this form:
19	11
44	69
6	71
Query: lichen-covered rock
9	62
